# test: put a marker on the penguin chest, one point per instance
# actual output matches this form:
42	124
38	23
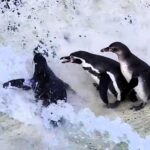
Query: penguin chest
125	71
140	90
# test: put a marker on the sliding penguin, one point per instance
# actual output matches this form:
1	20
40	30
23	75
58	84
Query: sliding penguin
136	72
105	71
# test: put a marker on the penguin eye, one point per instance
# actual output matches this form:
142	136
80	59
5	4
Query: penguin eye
114	49
71	57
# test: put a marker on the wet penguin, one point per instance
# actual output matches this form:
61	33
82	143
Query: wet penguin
105	71
45	84
136	72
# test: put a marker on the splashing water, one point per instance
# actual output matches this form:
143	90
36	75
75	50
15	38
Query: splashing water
59	28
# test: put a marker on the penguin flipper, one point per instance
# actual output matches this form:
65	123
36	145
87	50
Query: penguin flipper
103	87
131	85
112	89
19	83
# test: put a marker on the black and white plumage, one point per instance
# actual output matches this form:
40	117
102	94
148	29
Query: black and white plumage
135	70
45	84
105	71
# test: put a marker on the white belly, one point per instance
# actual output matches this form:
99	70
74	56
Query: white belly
125	71
140	90
140	87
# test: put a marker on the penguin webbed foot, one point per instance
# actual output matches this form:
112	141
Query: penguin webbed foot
138	107
113	105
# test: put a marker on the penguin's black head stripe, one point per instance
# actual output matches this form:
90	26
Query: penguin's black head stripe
77	61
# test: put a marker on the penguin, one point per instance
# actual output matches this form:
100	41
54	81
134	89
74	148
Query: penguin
45	84
105	71
135	70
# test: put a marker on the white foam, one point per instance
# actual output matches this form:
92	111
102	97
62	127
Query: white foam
91	26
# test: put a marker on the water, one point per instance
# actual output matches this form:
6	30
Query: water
61	27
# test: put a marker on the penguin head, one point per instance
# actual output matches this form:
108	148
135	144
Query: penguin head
39	59
40	67
117	48
40	63
76	57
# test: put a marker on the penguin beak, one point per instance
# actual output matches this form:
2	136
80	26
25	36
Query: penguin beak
66	59
107	49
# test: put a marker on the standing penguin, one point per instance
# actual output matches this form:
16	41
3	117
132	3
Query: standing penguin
105	71
136	72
